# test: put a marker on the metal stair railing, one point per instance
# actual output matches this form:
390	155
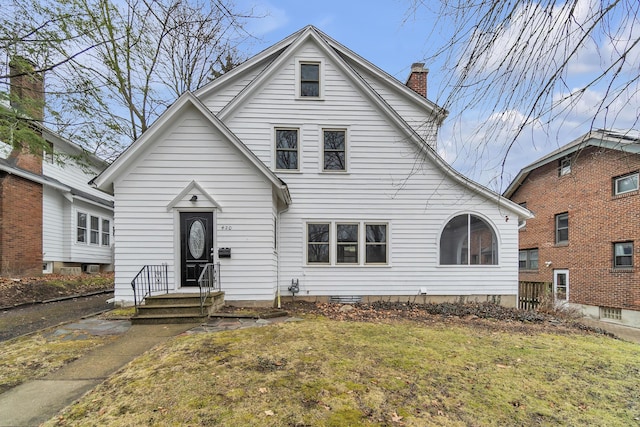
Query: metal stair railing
208	281
151	279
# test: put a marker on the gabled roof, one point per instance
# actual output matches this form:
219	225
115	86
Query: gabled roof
342	58
105	180
622	140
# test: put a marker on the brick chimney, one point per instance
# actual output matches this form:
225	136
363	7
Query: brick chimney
21	198
417	80
27	97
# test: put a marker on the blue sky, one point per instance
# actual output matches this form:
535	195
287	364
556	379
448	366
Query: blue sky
387	34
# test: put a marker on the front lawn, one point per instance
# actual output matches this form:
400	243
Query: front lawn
322	372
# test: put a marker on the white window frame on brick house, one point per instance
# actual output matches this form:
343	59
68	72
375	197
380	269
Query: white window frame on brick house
565	166
560	228
626	183
286	150
623	251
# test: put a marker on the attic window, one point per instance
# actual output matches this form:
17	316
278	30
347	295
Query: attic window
565	166
310	79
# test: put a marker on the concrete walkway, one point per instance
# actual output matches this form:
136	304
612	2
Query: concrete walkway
37	401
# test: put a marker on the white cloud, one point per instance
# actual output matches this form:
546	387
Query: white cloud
270	19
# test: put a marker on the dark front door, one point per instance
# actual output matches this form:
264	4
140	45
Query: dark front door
196	241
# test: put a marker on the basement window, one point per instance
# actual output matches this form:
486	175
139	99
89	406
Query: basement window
610	313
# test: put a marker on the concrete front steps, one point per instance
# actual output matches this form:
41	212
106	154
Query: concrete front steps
176	308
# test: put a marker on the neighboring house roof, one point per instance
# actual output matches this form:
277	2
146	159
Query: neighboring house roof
271	59
71	192
622	140
105	180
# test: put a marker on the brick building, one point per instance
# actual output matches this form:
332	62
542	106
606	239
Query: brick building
585	237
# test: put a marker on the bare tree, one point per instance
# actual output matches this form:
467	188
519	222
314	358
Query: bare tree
512	61
114	67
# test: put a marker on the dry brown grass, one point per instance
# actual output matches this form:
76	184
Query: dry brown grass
36	355
342	373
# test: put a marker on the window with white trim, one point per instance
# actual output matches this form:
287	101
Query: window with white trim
528	259
95	230
565	166
310	79
318	249
626	183
81	227
340	243
92	229
106	232
376	244
287	149
334	149
347	243
623	255
468	240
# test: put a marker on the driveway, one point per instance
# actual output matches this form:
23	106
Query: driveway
29	318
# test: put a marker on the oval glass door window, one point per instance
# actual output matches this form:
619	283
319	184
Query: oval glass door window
196	239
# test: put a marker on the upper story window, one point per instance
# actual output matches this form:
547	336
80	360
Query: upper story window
309	79
623	255
562	227
287	149
528	259
334	150
565	166
626	183
468	240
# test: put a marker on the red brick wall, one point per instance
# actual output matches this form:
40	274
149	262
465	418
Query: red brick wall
597	218
20	226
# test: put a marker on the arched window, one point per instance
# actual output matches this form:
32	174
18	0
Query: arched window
468	240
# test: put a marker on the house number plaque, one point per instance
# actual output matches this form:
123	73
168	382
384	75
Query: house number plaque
226	228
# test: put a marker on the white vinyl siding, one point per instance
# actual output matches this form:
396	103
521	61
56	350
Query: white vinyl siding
147	232
387	182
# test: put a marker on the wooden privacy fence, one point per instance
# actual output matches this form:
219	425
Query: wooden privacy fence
532	294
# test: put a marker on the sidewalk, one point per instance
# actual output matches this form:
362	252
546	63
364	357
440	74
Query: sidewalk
623	332
37	401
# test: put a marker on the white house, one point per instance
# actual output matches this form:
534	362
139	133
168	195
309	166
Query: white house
74	225
309	165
